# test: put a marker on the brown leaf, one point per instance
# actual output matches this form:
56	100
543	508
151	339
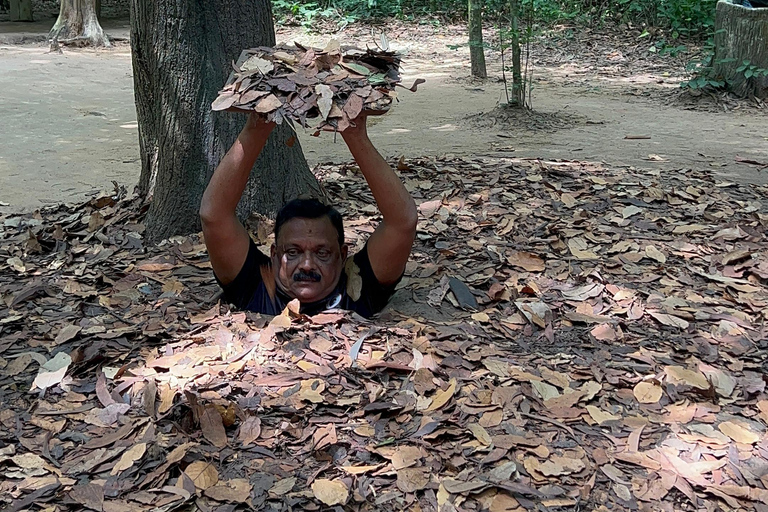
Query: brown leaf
267	104
212	426
527	261
442	397
405	457
250	430
234	491
325	436
412	479
67	333
129	458
670	320
90	496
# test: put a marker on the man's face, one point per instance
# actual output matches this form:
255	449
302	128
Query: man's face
307	258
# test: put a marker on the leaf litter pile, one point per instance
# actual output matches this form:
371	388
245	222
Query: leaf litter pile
297	83
568	336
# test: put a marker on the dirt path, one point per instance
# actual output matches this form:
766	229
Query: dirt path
70	126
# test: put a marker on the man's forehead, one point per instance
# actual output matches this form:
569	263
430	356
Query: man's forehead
300	229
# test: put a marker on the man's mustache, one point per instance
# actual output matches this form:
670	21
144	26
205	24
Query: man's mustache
311	276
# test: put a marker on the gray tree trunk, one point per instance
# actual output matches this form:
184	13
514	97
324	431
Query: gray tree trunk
182	54
21	10
476	50
78	23
518	86
741	34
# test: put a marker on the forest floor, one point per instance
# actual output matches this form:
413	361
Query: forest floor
582	325
77	131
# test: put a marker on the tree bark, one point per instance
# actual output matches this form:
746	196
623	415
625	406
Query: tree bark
476	50
21	10
741	34
182	54
518	86
78	23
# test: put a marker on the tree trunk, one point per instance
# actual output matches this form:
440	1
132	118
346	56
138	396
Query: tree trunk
21	10
182	54
78	23
476	50
741	34
518	87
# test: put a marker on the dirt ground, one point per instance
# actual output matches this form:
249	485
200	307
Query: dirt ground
70	126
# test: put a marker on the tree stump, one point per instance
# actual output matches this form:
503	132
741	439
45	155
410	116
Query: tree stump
741	34
78	24
21	10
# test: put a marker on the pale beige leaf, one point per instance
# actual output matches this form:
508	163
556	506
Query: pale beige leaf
600	416
480	434
129	457
655	254
442	397
647	392
412	479
405	456
680	375
739	432
354	280
359	470
203	474
669	320
330	492
544	391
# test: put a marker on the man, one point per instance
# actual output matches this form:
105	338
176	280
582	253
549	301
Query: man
308	260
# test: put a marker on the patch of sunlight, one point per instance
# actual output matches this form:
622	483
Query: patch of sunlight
445	128
130	126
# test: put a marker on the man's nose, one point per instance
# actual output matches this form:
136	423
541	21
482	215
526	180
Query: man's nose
307	261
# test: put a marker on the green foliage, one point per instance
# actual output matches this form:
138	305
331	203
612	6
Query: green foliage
703	74
750	70
680	18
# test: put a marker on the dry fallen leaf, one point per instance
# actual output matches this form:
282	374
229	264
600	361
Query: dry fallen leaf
600	416
330	492
647	392
442	397
203	474
739	432
680	375
129	458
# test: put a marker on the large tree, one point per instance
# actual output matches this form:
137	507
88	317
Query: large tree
182	53
78	23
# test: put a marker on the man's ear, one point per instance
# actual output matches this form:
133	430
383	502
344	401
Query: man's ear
272	251
344	252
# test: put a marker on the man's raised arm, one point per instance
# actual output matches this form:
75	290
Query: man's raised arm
390	245
225	237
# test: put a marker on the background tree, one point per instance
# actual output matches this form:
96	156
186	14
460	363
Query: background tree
182	53
20	10
476	50
78	23
741	49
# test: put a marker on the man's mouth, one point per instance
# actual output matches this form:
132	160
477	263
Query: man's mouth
306	277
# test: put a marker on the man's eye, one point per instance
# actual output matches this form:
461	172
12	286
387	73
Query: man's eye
292	253
323	253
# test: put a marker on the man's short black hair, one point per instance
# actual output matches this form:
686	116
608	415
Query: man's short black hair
309	209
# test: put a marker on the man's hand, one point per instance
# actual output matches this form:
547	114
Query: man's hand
225	236
258	124
390	245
